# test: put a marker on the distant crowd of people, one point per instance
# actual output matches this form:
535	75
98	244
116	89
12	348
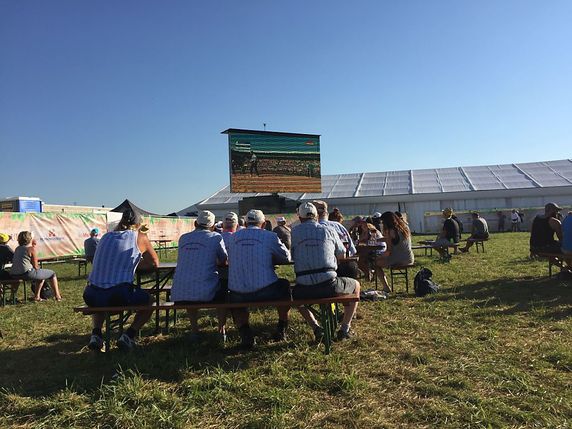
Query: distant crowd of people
254	165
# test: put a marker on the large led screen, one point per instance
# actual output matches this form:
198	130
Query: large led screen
272	162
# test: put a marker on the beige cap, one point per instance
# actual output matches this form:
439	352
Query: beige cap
280	219
206	218
307	211
255	216
231	217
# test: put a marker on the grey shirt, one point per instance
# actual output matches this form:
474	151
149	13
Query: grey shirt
22	262
480	226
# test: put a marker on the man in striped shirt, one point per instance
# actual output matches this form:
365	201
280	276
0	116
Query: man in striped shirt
252	254
315	250
196	277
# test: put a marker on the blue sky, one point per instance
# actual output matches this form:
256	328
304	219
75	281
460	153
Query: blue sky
105	100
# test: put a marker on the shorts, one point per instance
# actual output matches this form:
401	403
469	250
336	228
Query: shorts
328	289
121	294
221	296
479	236
442	242
277	291
35	275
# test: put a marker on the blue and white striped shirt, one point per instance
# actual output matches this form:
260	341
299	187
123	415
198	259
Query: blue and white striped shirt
342	233
314	247
251	258
196	276
115	260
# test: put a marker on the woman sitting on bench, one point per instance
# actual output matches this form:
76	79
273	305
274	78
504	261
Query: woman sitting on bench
398	238
111	279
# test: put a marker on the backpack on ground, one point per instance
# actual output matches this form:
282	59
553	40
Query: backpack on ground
46	292
423	284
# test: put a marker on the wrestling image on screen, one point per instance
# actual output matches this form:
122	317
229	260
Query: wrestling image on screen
272	162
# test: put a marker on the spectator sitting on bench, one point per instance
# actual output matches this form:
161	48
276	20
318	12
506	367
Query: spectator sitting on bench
348	268
479	231
315	249
6	255
251	277
196	278
25	266
110	282
542	232
398	253
90	245
450	234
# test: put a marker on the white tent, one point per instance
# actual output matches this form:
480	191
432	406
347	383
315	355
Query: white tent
416	192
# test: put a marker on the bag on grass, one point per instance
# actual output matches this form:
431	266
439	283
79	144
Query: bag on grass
46	292
423	284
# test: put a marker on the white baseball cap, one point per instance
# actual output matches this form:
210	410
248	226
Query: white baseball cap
307	211
255	216
206	218
231	217
280	219
376	215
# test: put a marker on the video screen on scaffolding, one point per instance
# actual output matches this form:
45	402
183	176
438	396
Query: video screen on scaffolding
272	162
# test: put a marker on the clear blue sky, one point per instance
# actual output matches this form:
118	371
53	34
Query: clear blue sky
103	100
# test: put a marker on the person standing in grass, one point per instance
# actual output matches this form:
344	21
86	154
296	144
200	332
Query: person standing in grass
110	282
196	278
25	266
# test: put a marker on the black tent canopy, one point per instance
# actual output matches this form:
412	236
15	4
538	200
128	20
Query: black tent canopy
129	206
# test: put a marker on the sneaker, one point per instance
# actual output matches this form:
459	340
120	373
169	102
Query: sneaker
319	334
343	335
95	343
247	338
126	343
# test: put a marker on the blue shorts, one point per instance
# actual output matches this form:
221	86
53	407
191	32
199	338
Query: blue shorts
277	291
122	294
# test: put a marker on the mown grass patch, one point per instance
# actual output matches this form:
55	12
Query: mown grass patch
491	349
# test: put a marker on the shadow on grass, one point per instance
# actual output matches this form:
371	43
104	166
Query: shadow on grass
553	296
65	361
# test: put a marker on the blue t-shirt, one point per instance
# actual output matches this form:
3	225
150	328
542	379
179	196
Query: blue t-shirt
567	234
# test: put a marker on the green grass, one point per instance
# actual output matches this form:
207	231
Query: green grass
492	349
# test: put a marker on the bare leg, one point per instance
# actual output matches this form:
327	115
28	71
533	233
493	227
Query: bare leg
308	317
141	317
97	321
283	313
39	286
54	282
380	264
194	319
221	315
350	309
240	316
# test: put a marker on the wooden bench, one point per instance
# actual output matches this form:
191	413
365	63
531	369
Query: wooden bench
326	312
10	285
554	260
428	250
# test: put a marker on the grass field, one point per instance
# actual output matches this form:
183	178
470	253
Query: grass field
492	349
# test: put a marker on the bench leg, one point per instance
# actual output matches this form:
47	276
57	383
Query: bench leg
406	281
326	324
25	291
